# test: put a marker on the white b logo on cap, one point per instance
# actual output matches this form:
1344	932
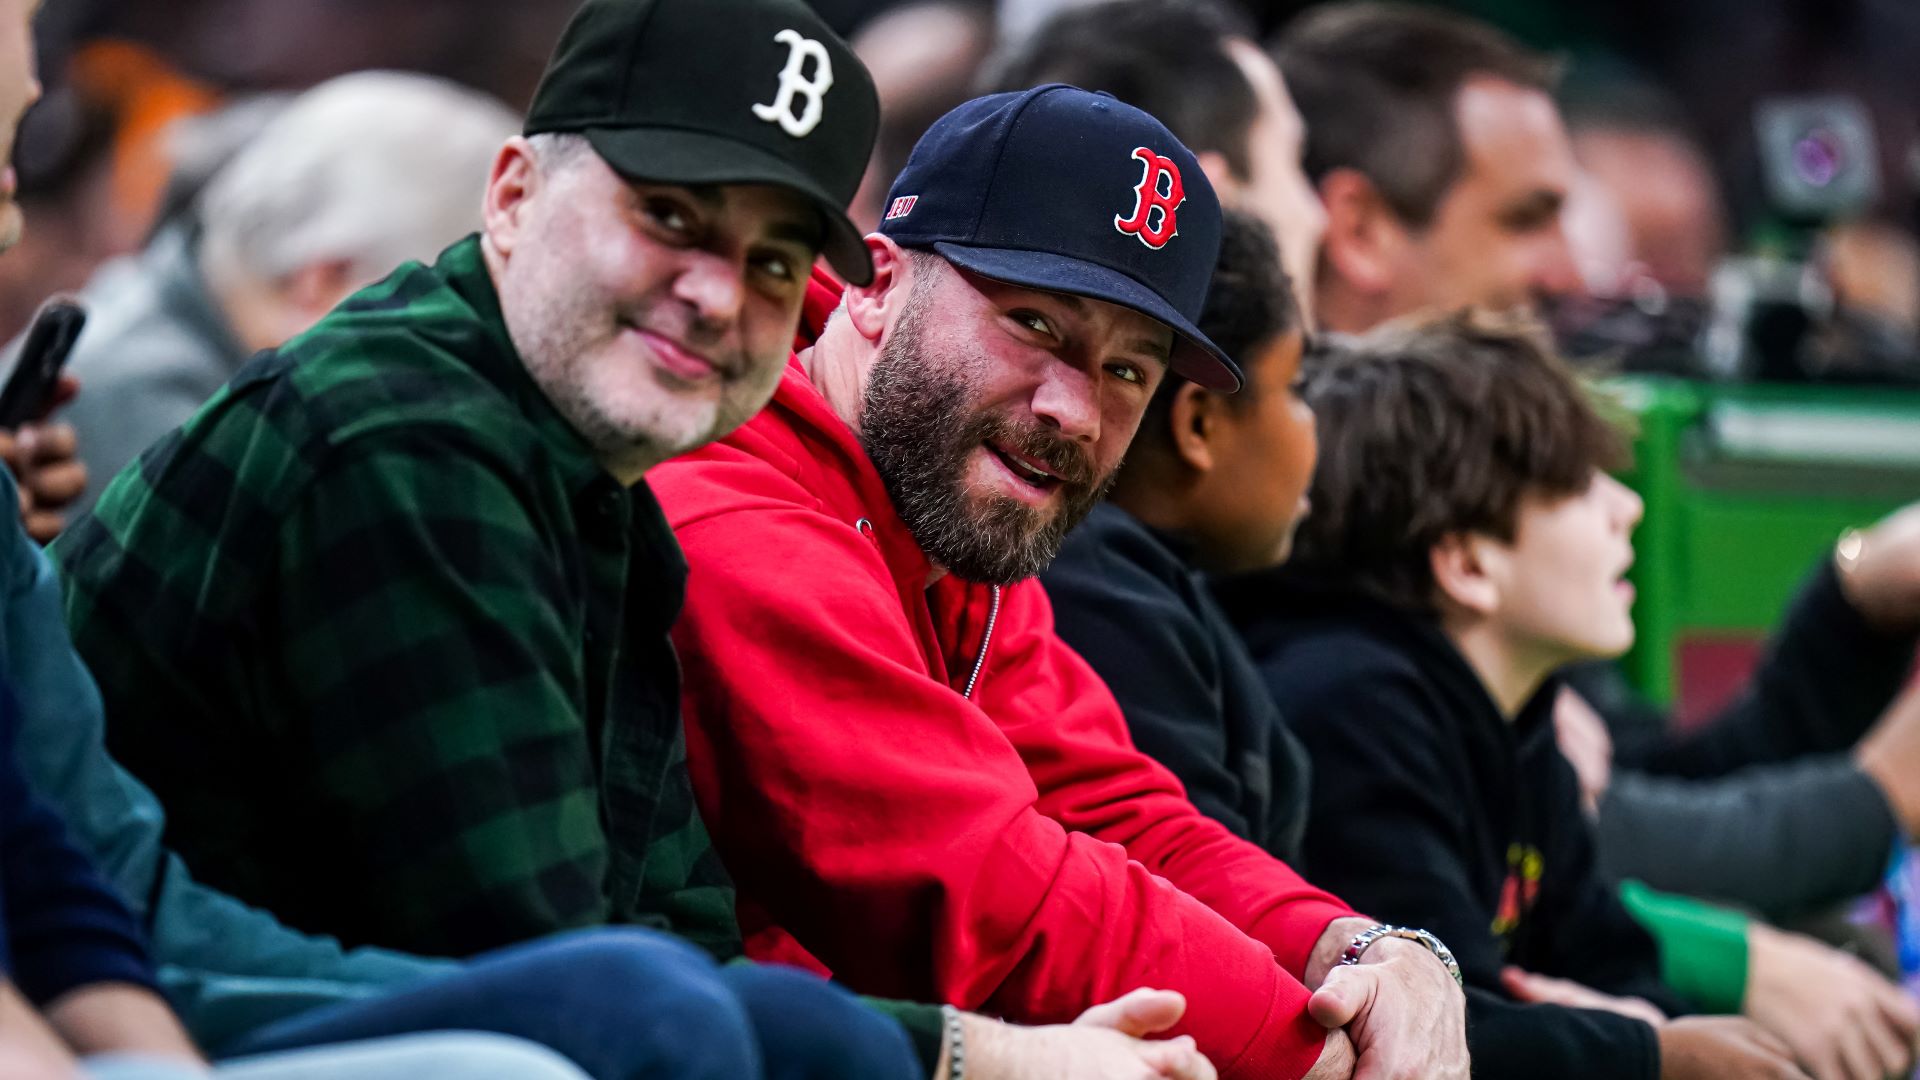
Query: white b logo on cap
795	83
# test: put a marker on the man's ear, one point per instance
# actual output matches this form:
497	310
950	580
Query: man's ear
1220	174
514	180
1466	572
1194	425
317	287
873	307
1363	235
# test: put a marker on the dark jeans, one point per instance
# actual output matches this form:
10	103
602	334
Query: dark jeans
625	1004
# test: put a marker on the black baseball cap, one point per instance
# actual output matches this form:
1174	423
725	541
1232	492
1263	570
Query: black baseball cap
1073	192
719	92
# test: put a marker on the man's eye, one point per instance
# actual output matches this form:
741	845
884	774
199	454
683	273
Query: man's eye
1128	372
1531	219
778	267
1034	321
668	215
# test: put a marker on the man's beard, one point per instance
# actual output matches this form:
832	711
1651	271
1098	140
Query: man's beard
920	431
561	330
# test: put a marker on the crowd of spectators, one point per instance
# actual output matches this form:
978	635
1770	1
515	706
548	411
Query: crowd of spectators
732	538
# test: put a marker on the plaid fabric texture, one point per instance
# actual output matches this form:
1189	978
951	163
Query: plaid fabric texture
391	647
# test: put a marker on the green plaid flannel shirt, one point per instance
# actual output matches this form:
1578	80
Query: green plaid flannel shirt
391	647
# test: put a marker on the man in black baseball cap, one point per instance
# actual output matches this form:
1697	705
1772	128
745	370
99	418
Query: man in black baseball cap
685	162
920	787
719	92
427	657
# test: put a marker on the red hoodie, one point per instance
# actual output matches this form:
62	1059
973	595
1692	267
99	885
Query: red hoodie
923	791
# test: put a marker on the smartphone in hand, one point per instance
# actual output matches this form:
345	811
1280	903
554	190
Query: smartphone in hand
49	342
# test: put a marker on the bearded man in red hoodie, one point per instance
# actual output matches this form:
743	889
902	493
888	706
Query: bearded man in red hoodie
916	784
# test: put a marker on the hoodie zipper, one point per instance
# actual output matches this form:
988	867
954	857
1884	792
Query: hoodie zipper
986	639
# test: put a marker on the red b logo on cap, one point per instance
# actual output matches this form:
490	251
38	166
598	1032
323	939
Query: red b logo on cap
1159	189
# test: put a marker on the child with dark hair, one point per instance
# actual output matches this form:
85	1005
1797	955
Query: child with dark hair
1466	542
1213	482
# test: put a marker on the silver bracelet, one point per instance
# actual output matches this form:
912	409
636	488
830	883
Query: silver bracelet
1365	939
956	1044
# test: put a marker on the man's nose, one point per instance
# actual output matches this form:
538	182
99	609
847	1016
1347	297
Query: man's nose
1067	400
715	286
1554	271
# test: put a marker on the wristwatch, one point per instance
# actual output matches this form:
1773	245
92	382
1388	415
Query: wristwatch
1846	553
1365	939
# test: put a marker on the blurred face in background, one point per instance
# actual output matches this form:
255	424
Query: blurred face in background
1276	188
19	88
1495	240
1668	200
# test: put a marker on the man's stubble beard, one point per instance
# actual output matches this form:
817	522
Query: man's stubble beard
918	429
552	335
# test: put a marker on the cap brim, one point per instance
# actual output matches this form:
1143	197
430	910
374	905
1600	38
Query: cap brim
676	156
1194	356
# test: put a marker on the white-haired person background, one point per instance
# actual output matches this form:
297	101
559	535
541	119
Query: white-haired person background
350	179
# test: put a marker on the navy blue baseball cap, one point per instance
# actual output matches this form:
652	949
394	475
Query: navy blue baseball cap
1073	192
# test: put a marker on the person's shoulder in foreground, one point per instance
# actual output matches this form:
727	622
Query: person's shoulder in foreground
78	990
918	785
77	987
